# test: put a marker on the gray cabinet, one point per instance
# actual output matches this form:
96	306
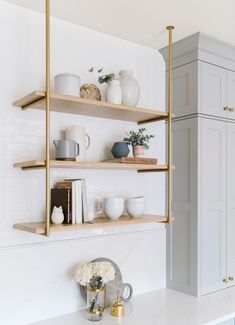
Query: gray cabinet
201	241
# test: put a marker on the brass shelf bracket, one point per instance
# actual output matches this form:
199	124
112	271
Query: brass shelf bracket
169	199
48	90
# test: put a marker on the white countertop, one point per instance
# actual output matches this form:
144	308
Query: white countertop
164	307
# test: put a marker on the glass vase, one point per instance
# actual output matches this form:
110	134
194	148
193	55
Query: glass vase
95	303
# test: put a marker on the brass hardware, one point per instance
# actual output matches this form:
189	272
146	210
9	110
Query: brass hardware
229	109
170	29
231	278
48	89
226	280
117	309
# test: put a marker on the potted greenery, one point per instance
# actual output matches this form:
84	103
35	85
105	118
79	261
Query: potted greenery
139	141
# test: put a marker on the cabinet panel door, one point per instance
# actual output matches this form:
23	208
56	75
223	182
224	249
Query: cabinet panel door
213	90
184	97
213	196
231	93
181	234
231	202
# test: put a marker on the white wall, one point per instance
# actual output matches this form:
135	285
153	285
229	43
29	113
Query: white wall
36	272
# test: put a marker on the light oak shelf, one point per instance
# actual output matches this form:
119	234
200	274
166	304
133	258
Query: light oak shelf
82	106
91	165
39	227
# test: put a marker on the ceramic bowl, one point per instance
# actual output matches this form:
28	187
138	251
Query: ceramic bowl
135	206
67	84
113	207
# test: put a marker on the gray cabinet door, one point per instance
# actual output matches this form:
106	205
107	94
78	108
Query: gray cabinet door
231	202
231	94
214	90
212	234
185	89
181	235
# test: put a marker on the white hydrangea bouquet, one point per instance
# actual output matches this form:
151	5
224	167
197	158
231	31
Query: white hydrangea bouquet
94	275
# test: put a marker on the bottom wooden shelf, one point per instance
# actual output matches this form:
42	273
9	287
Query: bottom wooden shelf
39	227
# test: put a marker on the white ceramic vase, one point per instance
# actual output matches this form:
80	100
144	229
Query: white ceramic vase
114	92
78	134
130	88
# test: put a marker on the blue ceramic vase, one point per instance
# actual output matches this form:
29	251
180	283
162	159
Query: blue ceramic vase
120	149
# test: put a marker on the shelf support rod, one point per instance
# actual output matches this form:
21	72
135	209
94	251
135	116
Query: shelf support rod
48	89
169	208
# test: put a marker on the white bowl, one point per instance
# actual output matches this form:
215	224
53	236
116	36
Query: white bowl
135	206
113	207
67	84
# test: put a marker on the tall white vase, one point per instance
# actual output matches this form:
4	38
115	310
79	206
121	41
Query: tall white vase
77	133
114	92
130	88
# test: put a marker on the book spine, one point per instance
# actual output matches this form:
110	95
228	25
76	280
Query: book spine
69	206
73	202
78	218
85	216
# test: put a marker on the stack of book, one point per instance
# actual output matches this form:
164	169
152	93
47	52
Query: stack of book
71	195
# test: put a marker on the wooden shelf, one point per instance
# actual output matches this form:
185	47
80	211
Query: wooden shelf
91	165
81	106
39	227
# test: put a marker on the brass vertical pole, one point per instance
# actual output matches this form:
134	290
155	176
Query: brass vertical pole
48	198
170	29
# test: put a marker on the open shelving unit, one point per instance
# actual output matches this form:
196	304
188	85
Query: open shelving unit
34	164
100	222
47	101
88	107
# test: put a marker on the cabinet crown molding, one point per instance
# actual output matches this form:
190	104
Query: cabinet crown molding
202	47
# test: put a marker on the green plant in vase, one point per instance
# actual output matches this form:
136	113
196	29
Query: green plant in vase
139	141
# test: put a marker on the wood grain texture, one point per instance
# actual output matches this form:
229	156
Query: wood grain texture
90	165
39	227
82	106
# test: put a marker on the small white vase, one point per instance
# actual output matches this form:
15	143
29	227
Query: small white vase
130	88
57	216
114	92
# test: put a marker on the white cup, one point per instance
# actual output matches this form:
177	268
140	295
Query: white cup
113	207
135	206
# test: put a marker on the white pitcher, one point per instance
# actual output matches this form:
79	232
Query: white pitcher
78	134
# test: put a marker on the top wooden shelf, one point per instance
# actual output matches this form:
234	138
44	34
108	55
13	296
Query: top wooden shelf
82	106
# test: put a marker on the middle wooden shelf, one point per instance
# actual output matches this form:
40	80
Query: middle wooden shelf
32	164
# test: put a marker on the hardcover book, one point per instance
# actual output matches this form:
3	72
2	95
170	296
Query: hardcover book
62	197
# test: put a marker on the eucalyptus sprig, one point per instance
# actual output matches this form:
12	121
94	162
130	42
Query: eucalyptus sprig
106	78
138	138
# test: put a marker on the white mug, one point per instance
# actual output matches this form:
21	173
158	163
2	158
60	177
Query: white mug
77	133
